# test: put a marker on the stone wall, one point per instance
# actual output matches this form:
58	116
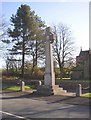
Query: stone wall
69	85
78	75
86	69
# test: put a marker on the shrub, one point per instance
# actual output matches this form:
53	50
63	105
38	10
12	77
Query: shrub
38	74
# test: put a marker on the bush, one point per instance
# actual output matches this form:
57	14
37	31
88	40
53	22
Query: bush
38	74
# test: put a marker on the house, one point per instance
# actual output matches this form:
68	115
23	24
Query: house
83	65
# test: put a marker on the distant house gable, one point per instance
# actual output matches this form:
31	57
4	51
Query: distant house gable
81	71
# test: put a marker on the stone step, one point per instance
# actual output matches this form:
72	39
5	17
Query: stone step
55	86
60	91
59	88
65	94
50	90
70	94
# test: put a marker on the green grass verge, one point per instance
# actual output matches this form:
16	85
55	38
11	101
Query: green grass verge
87	95
17	88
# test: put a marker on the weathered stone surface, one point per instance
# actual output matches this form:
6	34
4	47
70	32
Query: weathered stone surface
49	87
79	90
52	90
22	84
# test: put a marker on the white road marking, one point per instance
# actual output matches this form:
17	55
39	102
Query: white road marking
13	115
69	106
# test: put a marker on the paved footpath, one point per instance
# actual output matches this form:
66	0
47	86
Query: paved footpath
25	105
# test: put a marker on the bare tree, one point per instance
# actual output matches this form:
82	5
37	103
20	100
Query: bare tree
13	64
63	47
4	40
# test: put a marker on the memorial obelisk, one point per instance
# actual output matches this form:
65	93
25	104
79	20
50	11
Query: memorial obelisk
49	86
49	77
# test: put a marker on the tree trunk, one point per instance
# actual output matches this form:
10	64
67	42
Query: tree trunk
33	65
60	66
36	54
23	58
7	66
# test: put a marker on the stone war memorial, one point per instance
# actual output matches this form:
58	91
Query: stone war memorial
49	87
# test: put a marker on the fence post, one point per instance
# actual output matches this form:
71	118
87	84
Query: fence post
79	90
40	83
22	84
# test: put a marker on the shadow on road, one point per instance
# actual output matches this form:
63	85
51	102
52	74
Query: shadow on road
50	99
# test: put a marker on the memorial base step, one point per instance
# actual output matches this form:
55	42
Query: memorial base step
52	90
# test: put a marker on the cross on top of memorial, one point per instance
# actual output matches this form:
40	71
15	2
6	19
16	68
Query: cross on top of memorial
52	35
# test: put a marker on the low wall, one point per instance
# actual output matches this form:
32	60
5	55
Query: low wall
69	85
35	83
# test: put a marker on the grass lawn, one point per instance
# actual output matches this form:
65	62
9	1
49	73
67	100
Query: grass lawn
17	88
87	95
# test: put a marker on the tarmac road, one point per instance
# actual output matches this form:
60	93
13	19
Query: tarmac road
28	106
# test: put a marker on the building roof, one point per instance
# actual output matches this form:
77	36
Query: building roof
84	55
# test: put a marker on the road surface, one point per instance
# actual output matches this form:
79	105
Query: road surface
28	107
